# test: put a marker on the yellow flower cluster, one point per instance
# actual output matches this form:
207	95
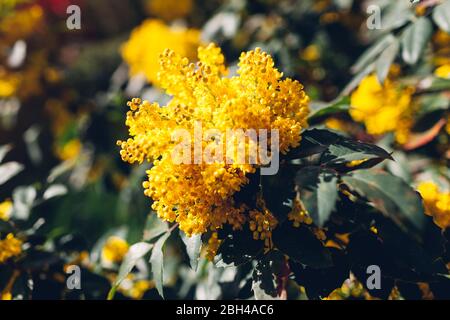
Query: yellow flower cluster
150	39
262	224
298	214
382	107
200	196
114	249
9	247
213	245
437	203
5	210
169	9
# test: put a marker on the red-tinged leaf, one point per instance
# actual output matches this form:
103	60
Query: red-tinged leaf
419	140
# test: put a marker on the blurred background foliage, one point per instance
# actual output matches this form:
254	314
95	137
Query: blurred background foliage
67	198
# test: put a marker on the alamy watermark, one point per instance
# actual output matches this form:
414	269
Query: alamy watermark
235	146
73	281
73	21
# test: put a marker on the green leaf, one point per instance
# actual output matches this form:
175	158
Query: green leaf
338	150
441	16
23	199
357	79
54	190
157	262
9	170
439	84
372	53
154	227
301	245
415	39
339	105
318	192
278	191
264	275
391	195
238	247
4	149
385	60
193	248
396	15
137	251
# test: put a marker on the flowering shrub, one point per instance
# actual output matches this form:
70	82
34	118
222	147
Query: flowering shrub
268	150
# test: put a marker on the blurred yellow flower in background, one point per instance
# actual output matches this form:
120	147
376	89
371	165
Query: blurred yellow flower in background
69	150
8	83
169	9
6	296
150	39
436	202
114	249
5	209
9	247
443	71
383	107
21	24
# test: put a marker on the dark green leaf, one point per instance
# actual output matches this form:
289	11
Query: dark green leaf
391	195
264	276
238	247
318	191
301	245
337	150
339	105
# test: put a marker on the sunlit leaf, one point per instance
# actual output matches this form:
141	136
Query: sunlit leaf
9	170
441	16
157	262
415	38
193	247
